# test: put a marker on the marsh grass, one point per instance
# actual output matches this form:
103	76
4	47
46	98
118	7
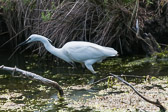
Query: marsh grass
105	22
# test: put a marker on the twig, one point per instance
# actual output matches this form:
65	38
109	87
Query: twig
134	13
122	75
34	77
157	103
13	53
120	45
13	37
99	80
3	33
72	8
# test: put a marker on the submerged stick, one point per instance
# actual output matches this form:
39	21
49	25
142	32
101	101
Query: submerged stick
34	77
157	103
101	80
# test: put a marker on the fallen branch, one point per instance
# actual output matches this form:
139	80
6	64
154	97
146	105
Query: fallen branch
157	103
34	77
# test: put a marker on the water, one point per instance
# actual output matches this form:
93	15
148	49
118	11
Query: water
18	93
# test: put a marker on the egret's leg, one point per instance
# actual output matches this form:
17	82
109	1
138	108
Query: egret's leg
83	67
73	64
89	67
99	61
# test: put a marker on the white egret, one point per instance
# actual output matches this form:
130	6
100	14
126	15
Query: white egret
82	52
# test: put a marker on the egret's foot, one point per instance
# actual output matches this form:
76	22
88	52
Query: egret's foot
96	73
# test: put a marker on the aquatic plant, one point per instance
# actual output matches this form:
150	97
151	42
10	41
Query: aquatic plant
161	55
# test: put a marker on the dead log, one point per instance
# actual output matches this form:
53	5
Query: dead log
34	76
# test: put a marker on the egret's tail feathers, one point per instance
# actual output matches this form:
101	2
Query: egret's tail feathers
110	51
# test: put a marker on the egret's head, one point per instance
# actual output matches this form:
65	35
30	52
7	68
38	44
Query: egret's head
34	38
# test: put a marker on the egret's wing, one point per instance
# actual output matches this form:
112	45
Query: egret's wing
81	53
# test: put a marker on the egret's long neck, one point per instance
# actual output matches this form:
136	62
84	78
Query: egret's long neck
55	51
50	47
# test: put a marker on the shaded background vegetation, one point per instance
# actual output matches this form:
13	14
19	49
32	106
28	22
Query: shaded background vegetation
105	22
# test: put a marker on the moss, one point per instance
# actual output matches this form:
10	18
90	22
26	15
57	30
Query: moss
162	54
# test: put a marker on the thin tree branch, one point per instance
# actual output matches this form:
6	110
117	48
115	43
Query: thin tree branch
157	103
99	80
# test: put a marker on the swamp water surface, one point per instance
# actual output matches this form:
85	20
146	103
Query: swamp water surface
22	94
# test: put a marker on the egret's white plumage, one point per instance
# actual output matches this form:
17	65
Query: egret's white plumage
82	52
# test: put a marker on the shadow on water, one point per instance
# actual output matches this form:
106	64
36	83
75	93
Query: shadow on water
22	94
